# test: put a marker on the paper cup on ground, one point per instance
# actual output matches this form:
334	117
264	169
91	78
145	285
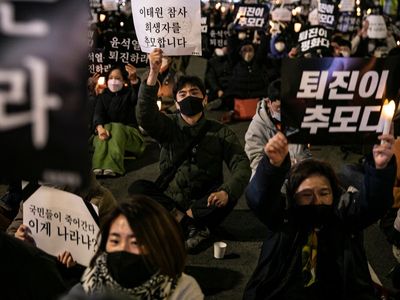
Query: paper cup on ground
219	250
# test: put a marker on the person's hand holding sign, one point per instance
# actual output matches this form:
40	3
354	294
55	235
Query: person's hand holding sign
277	149
23	233
155	59
66	259
132	76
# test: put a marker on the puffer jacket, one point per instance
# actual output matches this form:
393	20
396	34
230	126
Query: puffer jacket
203	170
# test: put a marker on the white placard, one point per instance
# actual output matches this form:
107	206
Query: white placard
281	14
110	5
377	27
313	17
172	25
61	221
346	5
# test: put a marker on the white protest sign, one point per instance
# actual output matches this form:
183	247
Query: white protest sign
172	25
313	17
377	27
61	221
110	5
281	14
346	5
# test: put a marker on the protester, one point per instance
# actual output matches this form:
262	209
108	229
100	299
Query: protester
265	124
218	74
193	150
115	122
315	249
141	256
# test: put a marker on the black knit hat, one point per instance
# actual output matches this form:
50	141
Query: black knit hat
274	90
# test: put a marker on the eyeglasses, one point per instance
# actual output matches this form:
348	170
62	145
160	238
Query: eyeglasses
307	196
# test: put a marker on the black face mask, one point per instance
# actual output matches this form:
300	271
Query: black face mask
129	270
308	217
191	106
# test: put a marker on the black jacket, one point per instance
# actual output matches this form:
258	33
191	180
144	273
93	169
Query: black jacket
117	107
342	270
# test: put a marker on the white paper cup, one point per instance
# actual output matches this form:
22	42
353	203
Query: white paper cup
219	250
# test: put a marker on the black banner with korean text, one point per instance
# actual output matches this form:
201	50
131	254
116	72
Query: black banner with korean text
312	38
43	75
327	12
337	100
124	48
251	17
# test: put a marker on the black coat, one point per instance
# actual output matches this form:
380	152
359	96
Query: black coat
342	270
116	107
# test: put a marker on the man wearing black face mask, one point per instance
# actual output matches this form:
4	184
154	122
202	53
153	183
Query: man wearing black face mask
315	245
195	149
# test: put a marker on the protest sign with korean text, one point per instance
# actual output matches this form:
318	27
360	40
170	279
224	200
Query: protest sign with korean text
60	221
348	22
172	25
123	48
281	14
347	5
337	100
97	62
376	27
43	75
251	17
327	11
312	38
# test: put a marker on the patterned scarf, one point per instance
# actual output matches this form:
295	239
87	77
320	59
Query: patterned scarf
98	281
309	259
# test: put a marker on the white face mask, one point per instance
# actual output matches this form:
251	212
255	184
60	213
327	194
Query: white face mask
114	85
219	52
345	53
280	46
371	47
276	115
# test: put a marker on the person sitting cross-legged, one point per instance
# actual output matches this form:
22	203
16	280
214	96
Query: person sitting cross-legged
193	149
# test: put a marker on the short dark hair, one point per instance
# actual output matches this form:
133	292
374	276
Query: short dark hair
274	90
306	168
155	230
189	80
119	67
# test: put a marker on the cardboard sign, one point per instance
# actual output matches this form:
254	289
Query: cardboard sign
337	100
377	27
251	17
347	5
60	221
123	48
172	25
312	38
43	128
327	13
281	14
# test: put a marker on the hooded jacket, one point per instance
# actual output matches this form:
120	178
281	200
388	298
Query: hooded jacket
260	130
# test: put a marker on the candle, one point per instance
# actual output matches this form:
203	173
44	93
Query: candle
297	27
387	115
101	80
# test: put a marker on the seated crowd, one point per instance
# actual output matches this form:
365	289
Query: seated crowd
314	247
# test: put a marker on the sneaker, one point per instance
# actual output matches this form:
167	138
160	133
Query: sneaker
98	172
109	172
196	236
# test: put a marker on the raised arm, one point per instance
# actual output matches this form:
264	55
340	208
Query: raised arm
154	122
264	191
